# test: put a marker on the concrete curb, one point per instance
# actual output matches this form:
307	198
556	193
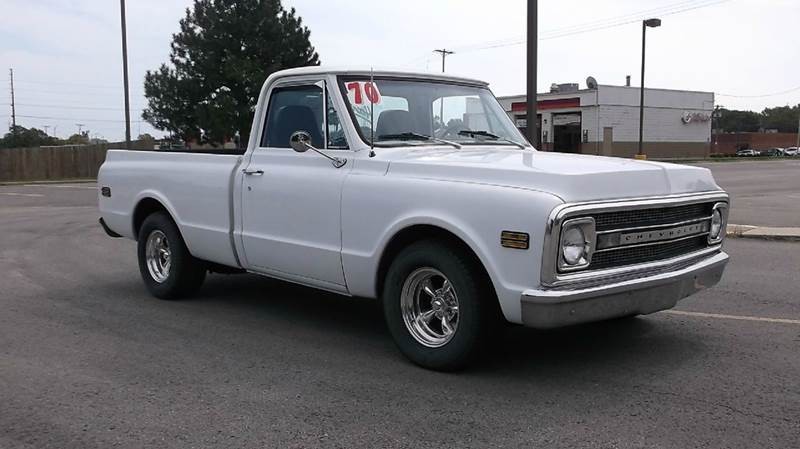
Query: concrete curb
763	233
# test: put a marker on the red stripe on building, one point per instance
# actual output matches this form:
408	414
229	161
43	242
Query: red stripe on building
560	103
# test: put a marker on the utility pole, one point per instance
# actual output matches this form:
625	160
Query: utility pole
798	128
444	53
13	109
125	75
531	118
80	126
46	127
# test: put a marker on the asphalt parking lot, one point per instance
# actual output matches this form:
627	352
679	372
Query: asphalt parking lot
89	360
763	193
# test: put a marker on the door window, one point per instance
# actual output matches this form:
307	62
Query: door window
296	108
299	108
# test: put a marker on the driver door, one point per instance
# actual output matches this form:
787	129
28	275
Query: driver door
291	216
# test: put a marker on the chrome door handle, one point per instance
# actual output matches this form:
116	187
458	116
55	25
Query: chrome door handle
252	172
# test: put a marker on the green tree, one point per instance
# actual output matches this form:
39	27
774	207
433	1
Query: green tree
733	121
21	137
220	58
782	118
78	139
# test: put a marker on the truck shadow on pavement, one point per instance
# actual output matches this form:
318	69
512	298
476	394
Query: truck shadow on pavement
650	343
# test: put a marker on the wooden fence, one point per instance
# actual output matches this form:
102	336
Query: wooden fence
51	163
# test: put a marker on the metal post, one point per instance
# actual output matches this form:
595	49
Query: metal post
531	118
641	94
125	76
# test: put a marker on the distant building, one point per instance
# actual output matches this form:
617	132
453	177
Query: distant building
730	143
604	120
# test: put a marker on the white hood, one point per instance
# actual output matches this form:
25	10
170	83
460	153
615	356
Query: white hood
572	177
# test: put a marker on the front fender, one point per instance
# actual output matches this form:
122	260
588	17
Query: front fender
375	209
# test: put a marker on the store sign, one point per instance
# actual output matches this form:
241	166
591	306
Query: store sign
566	119
695	117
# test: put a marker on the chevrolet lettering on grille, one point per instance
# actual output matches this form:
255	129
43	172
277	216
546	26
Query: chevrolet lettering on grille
633	238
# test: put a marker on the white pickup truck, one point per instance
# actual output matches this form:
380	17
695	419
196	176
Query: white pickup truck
419	190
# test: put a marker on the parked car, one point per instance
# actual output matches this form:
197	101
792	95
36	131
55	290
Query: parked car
773	152
748	153
792	151
348	185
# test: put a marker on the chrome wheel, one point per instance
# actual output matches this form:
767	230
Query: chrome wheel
430	307
157	254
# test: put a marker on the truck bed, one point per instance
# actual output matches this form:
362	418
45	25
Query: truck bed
196	188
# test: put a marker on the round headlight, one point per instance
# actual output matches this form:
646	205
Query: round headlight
573	246
716	225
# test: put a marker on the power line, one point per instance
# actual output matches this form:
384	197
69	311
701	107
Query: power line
597	25
57	106
628	22
72	119
70	93
787	91
61	83
636	16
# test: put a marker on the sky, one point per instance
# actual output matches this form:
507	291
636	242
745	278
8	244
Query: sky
66	54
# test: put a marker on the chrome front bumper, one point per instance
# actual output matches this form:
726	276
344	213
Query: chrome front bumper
550	308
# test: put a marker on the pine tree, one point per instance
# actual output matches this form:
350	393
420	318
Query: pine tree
218	62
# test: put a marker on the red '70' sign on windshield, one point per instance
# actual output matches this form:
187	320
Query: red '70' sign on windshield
362	89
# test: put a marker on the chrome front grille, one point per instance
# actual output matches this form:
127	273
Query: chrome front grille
651	217
645	235
622	256
633	237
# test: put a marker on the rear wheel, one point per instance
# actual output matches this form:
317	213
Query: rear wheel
167	268
439	306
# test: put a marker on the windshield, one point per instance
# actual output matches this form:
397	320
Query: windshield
397	112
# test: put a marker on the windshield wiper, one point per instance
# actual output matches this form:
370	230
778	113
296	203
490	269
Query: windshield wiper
487	134
415	136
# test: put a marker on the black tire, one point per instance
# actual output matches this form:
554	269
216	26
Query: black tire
185	274
478	310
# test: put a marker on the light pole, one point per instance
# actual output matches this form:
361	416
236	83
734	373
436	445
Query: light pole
652	23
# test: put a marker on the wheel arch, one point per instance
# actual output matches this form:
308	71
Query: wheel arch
145	207
417	232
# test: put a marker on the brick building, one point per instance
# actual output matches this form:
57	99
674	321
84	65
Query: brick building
729	143
604	120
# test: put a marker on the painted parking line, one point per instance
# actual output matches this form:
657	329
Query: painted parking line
34	195
732	317
62	186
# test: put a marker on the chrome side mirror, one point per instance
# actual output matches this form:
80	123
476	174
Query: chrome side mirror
300	141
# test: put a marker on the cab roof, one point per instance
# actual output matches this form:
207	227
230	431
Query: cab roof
366	71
